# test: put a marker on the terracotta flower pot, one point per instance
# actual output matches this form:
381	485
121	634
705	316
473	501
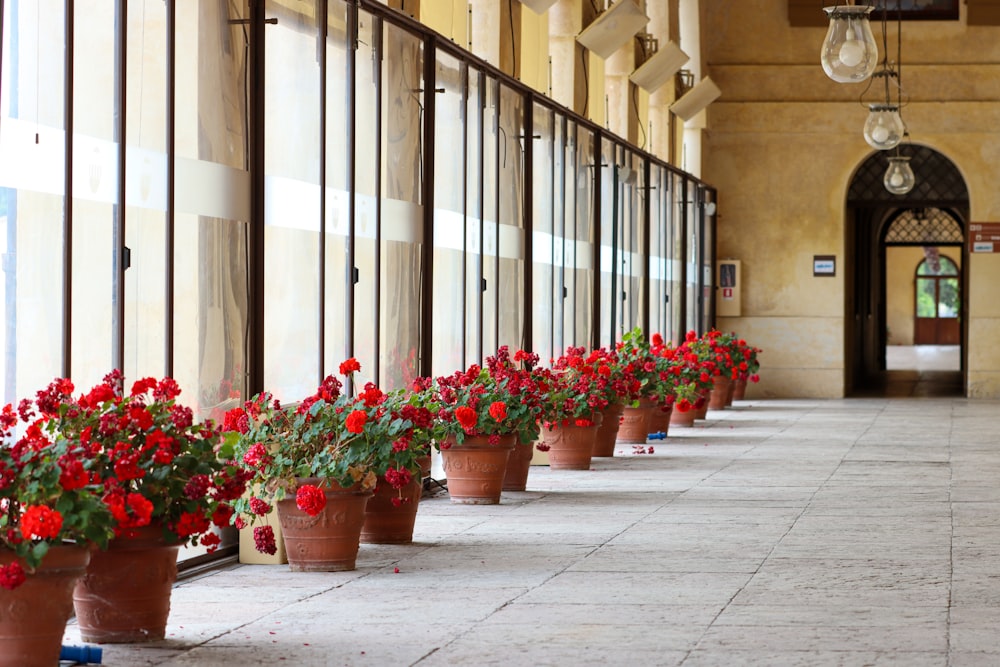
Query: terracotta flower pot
683	419
660	421
125	595
720	392
329	541
391	513
33	616
515	476
607	432
740	390
634	428
731	394
570	446
475	469
701	411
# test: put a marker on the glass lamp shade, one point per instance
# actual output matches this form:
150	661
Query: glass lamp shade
850	53
899	177
884	127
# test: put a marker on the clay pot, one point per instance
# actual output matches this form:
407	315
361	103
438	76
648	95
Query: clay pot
125	595
515	476
683	419
33	616
570	446
720	392
634	428
475	469
391	513
329	541
740	389
607	432
660	420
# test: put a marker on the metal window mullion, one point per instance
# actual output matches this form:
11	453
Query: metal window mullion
496	211
255	244
118	235
552	227
352	144
67	255
646	249
171	185
465	208
480	301
324	22
528	220
378	45
427	200
595	216
682	211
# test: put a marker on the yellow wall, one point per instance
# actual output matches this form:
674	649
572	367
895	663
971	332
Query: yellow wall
781	145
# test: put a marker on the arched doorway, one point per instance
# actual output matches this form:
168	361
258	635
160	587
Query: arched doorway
930	219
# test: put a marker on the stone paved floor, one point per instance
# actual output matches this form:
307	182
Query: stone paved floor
848	532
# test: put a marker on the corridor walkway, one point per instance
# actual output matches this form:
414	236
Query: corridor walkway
848	532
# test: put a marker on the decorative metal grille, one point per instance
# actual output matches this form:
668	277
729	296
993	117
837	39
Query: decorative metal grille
937	179
924	226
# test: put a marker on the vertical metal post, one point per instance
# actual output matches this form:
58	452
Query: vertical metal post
683	194
378	46
352	198
427	199
171	185
256	230
528	173
595	296
465	211
481	211
321	37
67	249
118	236
645	251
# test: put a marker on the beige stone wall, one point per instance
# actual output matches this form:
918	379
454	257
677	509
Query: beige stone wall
781	145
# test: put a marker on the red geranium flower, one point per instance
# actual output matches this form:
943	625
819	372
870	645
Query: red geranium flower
310	499
356	421
466	416
498	410
349	366
40	522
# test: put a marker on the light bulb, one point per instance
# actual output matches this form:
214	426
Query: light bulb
899	178
884	127
849	52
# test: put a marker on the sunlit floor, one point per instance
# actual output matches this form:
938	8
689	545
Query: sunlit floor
922	357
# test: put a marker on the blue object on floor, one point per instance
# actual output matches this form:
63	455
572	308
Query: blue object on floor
659	435
86	655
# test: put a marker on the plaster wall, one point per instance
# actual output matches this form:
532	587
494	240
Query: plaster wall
781	145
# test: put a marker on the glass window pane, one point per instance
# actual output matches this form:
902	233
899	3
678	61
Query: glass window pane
450	289
145	193
337	200
584	275
32	198
510	235
543	242
213	205
926	301
401	215
292	203
474	215
95	240
948	301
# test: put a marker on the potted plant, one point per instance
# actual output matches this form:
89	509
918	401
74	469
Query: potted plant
166	480
51	515
748	367
318	460
695	370
481	415
575	391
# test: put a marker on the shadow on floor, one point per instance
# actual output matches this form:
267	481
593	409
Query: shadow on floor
923	384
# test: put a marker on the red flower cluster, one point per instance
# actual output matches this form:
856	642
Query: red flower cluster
259	507
263	540
356	421
310	499
40	522
11	576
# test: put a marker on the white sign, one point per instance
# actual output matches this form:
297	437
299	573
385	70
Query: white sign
982	246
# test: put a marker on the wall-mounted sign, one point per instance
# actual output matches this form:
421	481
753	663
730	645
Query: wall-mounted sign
824	265
984	236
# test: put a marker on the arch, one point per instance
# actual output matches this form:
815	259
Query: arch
933	214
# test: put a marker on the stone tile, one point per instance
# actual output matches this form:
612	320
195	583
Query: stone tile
838	658
827	639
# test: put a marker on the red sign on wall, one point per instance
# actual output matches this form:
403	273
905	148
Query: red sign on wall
984	237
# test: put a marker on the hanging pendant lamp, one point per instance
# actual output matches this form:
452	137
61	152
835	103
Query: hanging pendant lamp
850	53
